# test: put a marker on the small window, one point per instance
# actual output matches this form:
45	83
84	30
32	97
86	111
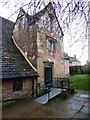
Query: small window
51	19
51	45
17	85
21	22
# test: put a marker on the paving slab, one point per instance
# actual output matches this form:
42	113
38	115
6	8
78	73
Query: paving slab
70	112
85	96
59	107
82	115
81	99
78	102
87	104
85	110
75	106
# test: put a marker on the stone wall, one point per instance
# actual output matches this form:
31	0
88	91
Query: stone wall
89	37
66	67
0	67
25	37
43	54
32	39
0	58
7	90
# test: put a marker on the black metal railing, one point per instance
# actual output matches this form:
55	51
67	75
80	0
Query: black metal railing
41	89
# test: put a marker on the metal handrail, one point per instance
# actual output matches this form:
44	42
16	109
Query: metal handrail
42	88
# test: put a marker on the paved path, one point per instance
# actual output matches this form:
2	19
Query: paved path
74	106
44	98
81	104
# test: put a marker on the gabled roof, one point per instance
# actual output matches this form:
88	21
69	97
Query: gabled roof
72	59
50	6
32	19
14	64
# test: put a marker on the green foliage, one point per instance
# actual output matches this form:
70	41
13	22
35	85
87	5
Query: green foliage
81	82
74	70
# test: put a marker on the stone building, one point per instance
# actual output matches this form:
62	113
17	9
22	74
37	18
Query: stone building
66	64
74	61
70	64
40	38
17	75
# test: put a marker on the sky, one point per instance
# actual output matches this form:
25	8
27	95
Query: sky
70	35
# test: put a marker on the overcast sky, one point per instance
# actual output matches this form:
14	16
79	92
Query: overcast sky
69	36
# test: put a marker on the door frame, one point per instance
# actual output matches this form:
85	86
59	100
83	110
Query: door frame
48	66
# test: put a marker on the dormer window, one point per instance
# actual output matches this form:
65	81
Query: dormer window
51	44
21	22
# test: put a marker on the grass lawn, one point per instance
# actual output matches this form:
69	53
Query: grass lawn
81	82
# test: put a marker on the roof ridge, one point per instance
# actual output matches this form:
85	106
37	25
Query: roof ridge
50	4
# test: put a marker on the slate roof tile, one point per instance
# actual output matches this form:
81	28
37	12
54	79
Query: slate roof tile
13	63
72	59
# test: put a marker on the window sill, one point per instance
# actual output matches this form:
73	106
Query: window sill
17	91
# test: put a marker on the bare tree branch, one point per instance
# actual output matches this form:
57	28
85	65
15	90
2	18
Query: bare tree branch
68	11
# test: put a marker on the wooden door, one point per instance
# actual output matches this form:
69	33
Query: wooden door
48	76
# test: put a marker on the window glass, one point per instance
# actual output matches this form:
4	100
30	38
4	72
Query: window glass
51	45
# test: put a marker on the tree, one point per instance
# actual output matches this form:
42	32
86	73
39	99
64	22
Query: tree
72	15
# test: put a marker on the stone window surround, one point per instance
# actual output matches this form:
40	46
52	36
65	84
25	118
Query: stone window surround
50	44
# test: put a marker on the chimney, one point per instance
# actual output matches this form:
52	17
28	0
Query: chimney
75	56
